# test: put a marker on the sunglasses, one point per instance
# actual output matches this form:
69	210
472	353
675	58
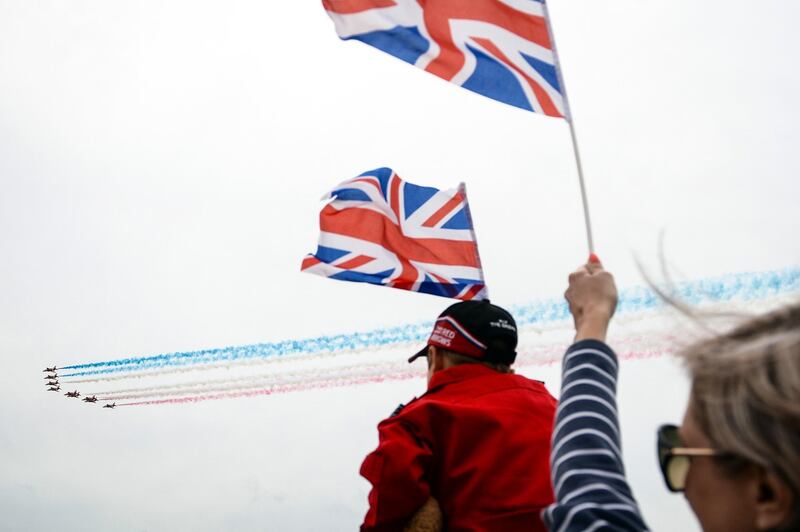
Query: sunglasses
675	459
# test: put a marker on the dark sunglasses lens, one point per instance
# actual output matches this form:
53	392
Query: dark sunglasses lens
668	438
674	468
675	472
671	435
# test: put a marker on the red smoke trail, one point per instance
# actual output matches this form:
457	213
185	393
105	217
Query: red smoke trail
356	381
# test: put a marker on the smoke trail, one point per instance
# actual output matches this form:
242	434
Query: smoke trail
276	390
117	376
651	345
629	346
744	286
357	380
270	382
228	384
524	332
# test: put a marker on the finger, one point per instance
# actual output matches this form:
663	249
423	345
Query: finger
580	272
608	276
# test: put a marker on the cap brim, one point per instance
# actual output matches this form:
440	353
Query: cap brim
421	353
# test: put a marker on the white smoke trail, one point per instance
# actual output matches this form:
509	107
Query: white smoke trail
300	379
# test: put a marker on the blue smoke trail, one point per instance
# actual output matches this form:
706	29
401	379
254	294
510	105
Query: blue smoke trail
742	287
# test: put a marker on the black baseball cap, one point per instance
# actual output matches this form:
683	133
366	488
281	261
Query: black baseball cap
476	329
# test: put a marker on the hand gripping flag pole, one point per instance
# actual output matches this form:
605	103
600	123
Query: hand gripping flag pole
568	117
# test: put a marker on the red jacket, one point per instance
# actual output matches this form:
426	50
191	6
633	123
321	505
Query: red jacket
478	441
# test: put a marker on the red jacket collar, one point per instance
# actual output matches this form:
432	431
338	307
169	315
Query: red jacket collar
459	373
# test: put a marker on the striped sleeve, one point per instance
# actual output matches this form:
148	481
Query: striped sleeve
589	481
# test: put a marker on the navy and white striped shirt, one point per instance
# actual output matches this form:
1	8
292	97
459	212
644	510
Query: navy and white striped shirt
589	481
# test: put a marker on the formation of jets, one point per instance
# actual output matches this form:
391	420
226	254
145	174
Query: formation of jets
51	379
53	386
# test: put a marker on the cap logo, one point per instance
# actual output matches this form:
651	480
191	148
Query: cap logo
443	336
451	335
503	324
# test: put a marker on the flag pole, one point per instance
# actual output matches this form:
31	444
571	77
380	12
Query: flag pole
462	189
584	198
568	116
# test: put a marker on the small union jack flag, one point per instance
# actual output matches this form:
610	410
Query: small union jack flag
498	48
382	230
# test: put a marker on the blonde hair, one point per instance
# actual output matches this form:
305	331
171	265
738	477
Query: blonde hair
746	393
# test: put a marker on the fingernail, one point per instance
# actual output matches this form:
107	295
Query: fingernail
593	259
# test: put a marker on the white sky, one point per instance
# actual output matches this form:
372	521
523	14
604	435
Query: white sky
160	169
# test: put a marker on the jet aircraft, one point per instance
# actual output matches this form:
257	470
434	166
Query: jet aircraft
51	383
76	393
50	370
111	405
92	399
54	389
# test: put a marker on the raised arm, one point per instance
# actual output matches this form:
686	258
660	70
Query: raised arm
589	481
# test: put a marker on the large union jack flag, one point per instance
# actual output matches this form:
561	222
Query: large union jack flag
382	230
498	48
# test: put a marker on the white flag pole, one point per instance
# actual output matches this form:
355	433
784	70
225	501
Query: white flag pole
568	116
462	189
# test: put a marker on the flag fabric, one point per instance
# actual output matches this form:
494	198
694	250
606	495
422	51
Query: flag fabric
501	49
382	230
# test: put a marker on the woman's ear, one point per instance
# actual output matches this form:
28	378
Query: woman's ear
775	505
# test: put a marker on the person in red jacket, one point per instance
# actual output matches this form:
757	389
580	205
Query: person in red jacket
477	442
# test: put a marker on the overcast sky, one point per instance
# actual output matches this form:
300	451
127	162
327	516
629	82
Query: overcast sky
161	164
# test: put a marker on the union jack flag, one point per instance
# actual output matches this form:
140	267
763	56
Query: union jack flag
498	48
382	230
